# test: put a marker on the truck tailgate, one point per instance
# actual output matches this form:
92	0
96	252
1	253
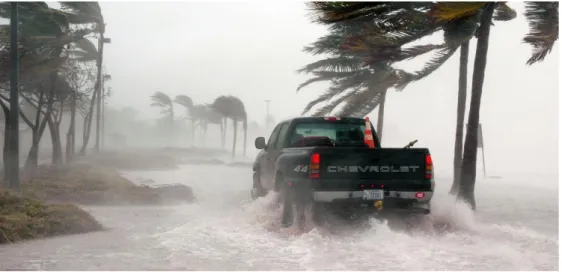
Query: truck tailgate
355	168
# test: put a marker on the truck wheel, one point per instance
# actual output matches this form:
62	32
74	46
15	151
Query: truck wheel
294	205
288	207
257	189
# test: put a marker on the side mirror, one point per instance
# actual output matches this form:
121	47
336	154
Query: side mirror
260	142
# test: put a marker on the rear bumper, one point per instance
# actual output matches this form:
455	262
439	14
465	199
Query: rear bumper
401	196
331	196
394	201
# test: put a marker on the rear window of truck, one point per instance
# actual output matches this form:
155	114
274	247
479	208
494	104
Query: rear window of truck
342	134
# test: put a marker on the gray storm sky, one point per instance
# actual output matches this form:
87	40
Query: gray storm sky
252	49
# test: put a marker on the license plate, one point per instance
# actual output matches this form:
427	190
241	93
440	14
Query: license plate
373	194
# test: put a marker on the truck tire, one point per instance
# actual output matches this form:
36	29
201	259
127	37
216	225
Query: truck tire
257	189
293	208
287	213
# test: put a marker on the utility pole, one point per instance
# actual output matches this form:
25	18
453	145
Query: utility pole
101	41
103	111
12	168
267	113
102	114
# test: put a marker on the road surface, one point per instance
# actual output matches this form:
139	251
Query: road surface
515	228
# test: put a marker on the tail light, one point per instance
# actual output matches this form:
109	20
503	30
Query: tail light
314	166
332	118
428	167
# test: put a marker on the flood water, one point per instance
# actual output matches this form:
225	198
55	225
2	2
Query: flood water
515	228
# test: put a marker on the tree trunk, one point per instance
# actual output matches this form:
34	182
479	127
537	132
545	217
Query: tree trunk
192	132
7	151
245	134
202	132
70	135
98	90
40	125
205	133
234	126
33	155
468	172
223	144
222	127
380	120
54	129
87	125
461	109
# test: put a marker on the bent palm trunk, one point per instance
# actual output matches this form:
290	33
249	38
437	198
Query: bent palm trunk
234	126
88	125
245	134
468	172
461	109
70	135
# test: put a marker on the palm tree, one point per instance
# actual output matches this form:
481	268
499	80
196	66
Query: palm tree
186	102
166	105
45	32
90	13
543	20
413	23
233	108
222	105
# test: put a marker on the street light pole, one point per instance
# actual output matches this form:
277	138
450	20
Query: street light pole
101	41
13	159
267	114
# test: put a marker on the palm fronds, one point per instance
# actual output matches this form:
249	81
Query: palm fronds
332	12
160	99
543	28
504	13
325	76
362	103
449	11
334	64
329	107
184	100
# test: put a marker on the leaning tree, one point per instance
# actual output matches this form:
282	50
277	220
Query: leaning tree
166	105
231	107
460	21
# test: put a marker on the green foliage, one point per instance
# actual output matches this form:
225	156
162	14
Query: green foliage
230	107
162	101
184	100
24	218
543	28
93	184
367	38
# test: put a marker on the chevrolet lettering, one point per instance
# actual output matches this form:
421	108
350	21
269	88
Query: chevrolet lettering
373	168
337	165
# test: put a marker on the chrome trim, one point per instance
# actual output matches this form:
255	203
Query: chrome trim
329	196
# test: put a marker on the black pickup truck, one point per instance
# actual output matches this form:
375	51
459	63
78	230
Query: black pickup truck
325	161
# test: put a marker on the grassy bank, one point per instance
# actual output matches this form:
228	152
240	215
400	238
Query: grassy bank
24	218
46	204
90	184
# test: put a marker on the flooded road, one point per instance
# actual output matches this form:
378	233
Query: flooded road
516	228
